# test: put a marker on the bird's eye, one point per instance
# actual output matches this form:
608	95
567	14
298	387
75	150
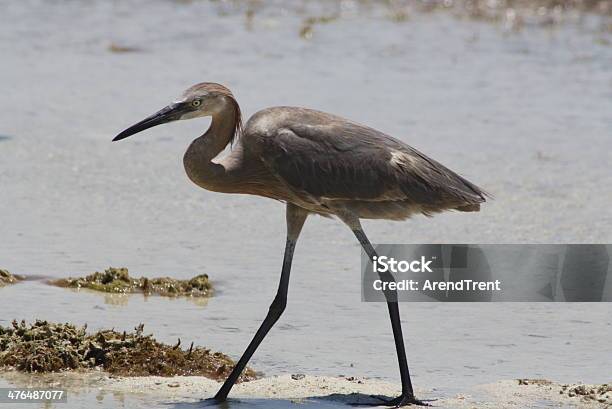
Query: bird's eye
196	103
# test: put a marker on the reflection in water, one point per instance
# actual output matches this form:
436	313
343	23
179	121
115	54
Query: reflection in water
116	299
122	299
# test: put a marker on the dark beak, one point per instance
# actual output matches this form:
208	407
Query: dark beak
170	113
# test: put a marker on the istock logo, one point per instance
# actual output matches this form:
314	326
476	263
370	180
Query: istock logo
383	264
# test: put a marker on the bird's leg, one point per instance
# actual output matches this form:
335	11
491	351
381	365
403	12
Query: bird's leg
407	396
296	217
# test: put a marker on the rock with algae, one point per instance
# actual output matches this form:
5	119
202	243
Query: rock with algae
53	347
8	278
118	280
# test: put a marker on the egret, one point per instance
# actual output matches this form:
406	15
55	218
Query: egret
316	163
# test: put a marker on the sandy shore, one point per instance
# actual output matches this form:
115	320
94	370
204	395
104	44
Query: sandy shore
343	391
191	392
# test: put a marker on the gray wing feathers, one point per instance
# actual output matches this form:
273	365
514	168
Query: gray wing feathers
346	161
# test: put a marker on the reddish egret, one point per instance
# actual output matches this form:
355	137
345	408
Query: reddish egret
316	163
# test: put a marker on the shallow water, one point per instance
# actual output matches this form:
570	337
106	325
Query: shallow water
526	115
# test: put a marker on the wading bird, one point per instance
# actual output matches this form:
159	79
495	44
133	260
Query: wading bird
315	163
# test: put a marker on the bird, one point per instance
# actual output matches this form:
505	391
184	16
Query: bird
317	164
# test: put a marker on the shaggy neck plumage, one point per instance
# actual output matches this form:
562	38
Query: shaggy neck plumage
198	160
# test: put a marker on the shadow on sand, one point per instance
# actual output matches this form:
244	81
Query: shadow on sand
332	401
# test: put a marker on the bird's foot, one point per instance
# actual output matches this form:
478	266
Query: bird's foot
404	399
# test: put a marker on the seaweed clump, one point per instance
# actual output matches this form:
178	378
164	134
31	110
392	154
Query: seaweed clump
53	347
586	393
118	280
8	278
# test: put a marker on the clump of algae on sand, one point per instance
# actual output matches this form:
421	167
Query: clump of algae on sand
8	278
53	347
118	280
601	393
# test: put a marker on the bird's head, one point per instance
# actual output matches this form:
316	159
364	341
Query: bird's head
204	99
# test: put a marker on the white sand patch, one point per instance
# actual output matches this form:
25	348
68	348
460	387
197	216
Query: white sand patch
344	391
288	387
306	392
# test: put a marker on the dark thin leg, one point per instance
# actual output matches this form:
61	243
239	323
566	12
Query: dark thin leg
295	220
407	396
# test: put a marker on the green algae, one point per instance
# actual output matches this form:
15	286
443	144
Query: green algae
8	278
118	280
53	347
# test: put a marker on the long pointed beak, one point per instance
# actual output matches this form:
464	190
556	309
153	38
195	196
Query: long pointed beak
170	113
